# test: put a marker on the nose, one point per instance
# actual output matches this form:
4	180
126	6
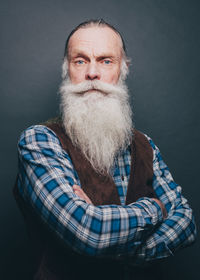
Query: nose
92	72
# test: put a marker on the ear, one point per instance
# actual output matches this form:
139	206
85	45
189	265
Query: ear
124	69
128	62
65	68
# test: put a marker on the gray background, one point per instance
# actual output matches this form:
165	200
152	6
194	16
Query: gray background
163	41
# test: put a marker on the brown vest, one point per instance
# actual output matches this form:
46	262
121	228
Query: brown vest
56	262
101	189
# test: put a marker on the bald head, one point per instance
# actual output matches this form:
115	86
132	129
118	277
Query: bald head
93	23
102	37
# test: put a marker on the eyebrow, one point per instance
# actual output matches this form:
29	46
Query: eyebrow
106	56
102	56
80	54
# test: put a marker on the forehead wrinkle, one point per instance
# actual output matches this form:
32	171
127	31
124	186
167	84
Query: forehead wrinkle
92	43
101	55
97	54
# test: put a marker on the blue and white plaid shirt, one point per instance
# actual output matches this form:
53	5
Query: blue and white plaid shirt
138	231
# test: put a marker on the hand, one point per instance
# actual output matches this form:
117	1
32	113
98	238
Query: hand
78	191
164	211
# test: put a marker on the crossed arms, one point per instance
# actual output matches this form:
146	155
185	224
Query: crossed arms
46	177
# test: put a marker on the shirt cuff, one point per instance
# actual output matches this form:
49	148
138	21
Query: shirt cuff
153	208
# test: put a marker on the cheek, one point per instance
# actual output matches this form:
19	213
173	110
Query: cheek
76	76
111	77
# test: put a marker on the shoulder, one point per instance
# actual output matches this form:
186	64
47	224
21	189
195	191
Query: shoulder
38	135
145	139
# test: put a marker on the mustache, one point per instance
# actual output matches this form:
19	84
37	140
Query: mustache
93	86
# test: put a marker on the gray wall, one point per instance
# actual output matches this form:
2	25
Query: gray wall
163	41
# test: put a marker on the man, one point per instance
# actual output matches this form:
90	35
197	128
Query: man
98	199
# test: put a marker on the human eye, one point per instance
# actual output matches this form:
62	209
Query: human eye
107	61
79	62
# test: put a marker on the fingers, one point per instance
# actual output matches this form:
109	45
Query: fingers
78	191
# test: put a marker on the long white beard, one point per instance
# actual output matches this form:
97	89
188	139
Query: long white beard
97	118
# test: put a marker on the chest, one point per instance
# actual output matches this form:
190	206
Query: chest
132	177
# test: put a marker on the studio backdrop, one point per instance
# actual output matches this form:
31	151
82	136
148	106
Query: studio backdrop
163	42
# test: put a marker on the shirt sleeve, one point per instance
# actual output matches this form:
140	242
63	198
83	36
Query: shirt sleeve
46	176
178	229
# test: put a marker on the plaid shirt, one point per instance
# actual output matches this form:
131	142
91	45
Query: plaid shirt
138	231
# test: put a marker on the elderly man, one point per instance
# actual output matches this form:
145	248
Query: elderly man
99	201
